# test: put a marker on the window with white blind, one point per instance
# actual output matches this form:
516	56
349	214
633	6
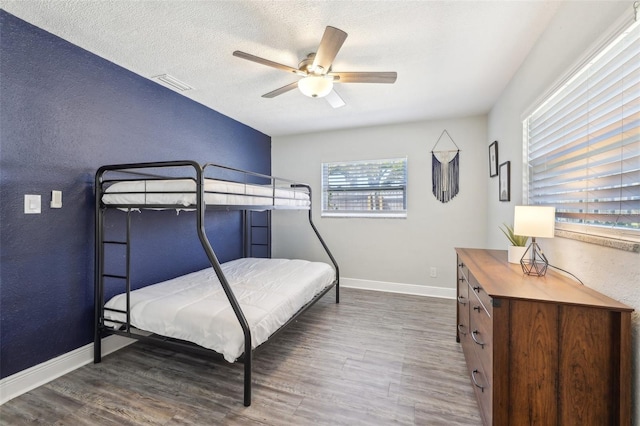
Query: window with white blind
582	145
375	188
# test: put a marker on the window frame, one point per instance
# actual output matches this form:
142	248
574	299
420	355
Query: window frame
602	234
360	191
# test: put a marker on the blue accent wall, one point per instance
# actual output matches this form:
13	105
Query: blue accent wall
63	113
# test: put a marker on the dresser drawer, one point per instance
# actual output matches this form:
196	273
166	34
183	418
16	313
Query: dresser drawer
481	386
481	335
463	271
480	292
463	290
463	318
462	303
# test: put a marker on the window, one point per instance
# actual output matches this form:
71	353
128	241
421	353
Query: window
376	188
582	145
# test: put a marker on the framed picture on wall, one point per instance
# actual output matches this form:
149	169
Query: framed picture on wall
493	159
504	181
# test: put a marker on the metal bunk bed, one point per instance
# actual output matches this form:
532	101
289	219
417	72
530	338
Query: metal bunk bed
252	191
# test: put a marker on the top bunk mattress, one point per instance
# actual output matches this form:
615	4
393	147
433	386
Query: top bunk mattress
182	192
194	307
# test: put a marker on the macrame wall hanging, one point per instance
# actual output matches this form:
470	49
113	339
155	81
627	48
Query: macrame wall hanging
445	171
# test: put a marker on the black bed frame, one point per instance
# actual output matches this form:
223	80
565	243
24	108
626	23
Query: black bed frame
182	170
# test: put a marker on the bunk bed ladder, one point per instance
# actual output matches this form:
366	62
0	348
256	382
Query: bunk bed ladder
257	235
101	244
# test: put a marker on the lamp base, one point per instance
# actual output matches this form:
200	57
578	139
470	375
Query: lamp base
534	262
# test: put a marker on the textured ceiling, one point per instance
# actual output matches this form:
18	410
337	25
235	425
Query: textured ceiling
453	58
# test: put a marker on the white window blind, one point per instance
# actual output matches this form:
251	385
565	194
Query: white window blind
375	188
583	144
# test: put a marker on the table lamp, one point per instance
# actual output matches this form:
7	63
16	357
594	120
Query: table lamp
535	222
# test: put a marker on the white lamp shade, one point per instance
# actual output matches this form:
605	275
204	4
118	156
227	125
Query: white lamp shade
534	221
315	86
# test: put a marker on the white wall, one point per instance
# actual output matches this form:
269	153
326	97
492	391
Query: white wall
389	250
576	27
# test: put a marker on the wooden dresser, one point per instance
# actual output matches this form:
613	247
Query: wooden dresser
541	350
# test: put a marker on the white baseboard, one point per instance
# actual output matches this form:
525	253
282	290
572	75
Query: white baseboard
38	375
414	289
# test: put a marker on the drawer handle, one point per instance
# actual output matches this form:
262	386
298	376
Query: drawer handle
477	308
476	289
461	265
475	382
460	327
473	336
462	301
461	279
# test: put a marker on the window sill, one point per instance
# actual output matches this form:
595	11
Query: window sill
626	245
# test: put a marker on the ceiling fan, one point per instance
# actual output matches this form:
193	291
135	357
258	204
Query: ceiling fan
317	76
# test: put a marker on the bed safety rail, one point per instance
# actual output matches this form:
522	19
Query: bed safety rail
225	188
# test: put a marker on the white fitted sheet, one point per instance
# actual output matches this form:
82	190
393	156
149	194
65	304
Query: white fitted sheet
217	192
194	307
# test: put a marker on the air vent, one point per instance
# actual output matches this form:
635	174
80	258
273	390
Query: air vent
172	82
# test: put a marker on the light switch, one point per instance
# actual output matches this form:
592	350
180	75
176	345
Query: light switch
56	199
32	204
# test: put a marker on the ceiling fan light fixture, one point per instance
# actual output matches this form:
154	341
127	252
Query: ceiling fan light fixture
315	86
316	73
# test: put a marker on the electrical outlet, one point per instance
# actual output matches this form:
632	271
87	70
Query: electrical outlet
434	272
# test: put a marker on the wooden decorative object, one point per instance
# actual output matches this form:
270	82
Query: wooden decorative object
541	350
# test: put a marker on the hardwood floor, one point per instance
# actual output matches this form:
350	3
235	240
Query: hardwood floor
374	359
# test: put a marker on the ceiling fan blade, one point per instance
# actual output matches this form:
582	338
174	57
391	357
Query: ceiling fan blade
253	58
331	42
365	77
281	90
334	99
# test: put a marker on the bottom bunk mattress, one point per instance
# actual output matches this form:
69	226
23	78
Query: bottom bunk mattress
194	308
